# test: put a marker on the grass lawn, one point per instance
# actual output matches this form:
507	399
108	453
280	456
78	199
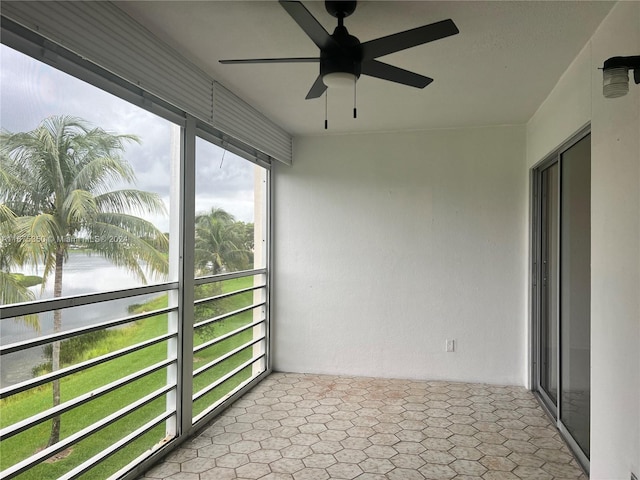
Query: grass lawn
31	402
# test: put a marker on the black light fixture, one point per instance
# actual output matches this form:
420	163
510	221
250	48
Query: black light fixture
615	75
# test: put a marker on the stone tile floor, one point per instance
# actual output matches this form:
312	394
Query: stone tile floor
316	427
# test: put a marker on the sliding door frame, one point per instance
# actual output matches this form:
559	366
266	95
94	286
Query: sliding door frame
553	409
537	285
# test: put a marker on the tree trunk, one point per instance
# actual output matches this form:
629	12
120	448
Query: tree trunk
54	437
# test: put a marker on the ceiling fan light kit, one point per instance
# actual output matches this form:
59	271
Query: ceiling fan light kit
343	58
339	79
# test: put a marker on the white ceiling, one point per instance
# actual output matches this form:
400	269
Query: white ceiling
498	70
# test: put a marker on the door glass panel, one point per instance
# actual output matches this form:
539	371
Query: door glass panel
575	291
230	236
549	291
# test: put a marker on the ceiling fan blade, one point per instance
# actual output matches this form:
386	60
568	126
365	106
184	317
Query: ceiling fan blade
273	60
409	38
309	24
317	89
375	68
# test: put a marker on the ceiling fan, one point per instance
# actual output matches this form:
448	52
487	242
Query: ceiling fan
343	58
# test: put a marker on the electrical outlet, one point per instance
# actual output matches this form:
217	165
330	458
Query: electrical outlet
451	346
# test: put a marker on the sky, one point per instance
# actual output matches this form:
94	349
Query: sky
31	91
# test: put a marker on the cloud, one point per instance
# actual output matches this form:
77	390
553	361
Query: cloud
31	91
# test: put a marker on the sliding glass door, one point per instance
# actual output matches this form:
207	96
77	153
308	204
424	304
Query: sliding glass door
562	289
575	290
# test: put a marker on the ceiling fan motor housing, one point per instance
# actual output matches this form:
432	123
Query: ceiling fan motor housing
344	58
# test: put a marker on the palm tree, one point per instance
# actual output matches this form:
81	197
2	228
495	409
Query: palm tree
219	243
62	181
219	246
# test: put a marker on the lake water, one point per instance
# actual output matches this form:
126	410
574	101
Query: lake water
82	274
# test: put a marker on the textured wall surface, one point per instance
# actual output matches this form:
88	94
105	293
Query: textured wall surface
386	245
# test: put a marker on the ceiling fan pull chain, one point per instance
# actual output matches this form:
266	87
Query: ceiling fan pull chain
355	110
326	109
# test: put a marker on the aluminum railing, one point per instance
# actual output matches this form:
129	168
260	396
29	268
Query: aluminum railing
256	345
257	340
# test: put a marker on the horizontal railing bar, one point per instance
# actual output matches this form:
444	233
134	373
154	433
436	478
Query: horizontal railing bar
127	471
225	398
63	372
45	339
228	315
227	355
229	294
48	452
226	377
229	276
34	420
39	306
110	450
232	333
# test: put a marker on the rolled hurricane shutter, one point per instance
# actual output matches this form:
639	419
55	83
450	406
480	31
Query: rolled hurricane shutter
106	36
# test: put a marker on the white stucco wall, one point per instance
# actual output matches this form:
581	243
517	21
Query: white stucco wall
615	274
386	245
565	111
615	233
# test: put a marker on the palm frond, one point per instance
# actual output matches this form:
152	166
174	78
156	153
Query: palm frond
7	218
132	201
40	238
99	171
123	238
79	207
11	291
